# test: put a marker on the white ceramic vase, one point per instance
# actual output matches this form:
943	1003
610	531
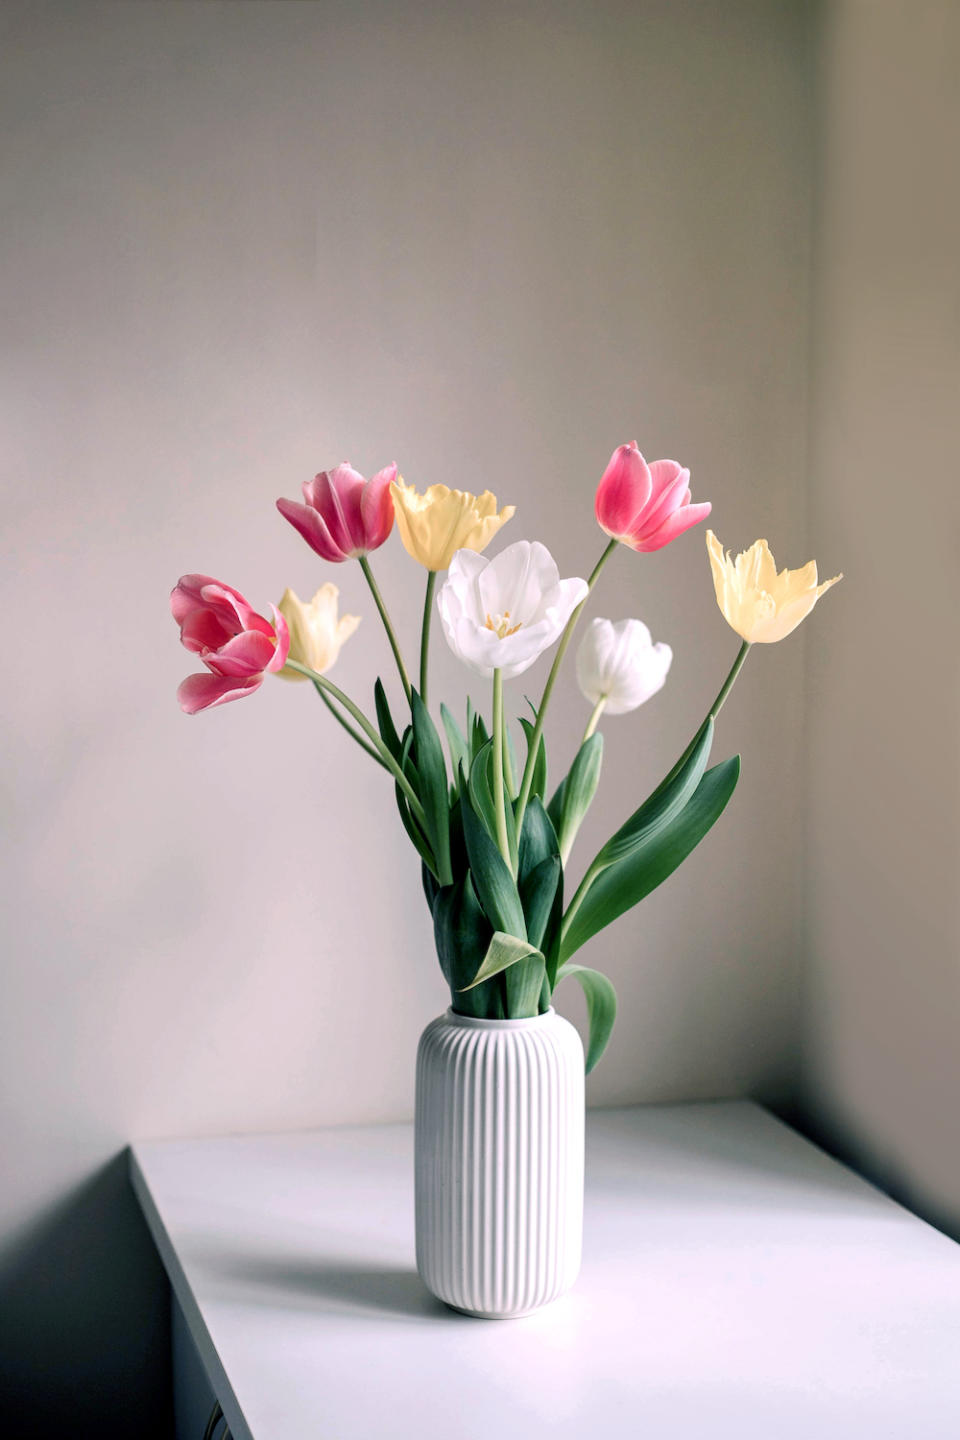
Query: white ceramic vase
499	1162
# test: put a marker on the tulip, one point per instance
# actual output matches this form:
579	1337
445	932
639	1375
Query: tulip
760	605
237	645
344	516
502	614
645	506
316	632
433	526
619	665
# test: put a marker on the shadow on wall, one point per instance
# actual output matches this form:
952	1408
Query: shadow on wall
849	1145
84	1321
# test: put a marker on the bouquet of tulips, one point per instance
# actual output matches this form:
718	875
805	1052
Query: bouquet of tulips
493	838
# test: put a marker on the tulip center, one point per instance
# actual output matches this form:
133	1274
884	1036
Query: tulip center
500	625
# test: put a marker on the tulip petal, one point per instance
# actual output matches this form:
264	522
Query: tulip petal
281	647
620	663
625	488
203	630
337	495
671	489
522	580
202	692
376	508
674	525
516	581
188	594
248	653
786	619
312	526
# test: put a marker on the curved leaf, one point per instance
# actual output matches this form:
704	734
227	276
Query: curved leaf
433	791
482	795
416	835
579	789
626	882
601	1007
538	891
539	783
495	886
539	839
477	734
502	952
388	731
462	933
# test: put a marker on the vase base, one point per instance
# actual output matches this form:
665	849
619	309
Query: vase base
486	1315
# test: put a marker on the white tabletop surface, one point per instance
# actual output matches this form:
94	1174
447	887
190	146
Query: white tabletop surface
736	1282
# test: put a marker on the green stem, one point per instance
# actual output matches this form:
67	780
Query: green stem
714	710
594	719
499	800
391	634
727	685
534	745
425	633
341	720
388	761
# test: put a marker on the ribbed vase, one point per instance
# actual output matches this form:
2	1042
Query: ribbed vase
499	1162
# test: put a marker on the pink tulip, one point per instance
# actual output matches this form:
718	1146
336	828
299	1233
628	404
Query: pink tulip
344	515
236	644
645	506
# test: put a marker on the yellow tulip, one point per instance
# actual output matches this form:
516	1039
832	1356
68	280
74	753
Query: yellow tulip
433	526
760	605
316	632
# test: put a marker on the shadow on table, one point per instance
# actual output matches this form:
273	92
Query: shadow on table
348	1285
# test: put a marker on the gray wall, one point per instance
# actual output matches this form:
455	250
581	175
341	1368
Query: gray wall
881	1012
242	241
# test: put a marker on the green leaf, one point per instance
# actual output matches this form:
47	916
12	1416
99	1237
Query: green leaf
414	831
481	787
538	848
537	893
406	759
388	731
458	848
433	790
502	952
462	933
430	887
539	839
555	807
663	805
478	736
601	1007
482	795
495	886
628	881
524	984
456	744
579	789
539	783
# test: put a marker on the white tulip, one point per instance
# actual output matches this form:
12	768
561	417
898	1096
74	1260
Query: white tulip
620	665
501	614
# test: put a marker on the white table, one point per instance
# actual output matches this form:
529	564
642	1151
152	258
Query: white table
736	1282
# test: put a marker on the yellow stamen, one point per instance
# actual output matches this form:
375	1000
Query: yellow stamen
498	624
